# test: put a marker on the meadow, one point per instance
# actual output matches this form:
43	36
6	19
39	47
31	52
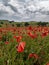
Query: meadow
24	45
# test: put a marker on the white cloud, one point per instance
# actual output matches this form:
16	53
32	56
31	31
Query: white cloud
24	10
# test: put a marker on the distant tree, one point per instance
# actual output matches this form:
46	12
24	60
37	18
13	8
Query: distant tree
11	21
26	24
18	25
1	22
42	23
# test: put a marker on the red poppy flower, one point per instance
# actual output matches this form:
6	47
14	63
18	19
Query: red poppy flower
30	28
33	55
18	38
21	46
30	55
44	34
32	35
6	42
15	37
47	64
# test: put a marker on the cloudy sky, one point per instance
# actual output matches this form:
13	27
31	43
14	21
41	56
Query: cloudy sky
24	10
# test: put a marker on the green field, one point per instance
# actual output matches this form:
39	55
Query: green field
25	43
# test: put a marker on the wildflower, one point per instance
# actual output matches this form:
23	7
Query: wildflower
18	38
47	64
30	28
6	42
32	35
44	34
21	46
33	55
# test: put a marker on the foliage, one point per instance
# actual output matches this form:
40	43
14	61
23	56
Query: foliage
18	25
42	23
26	24
24	45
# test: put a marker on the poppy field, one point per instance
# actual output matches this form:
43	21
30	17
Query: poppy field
24	45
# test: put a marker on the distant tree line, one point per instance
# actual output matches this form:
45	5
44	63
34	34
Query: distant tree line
19	24
42	23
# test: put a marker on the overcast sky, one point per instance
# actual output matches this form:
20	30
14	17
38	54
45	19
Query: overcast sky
24	10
